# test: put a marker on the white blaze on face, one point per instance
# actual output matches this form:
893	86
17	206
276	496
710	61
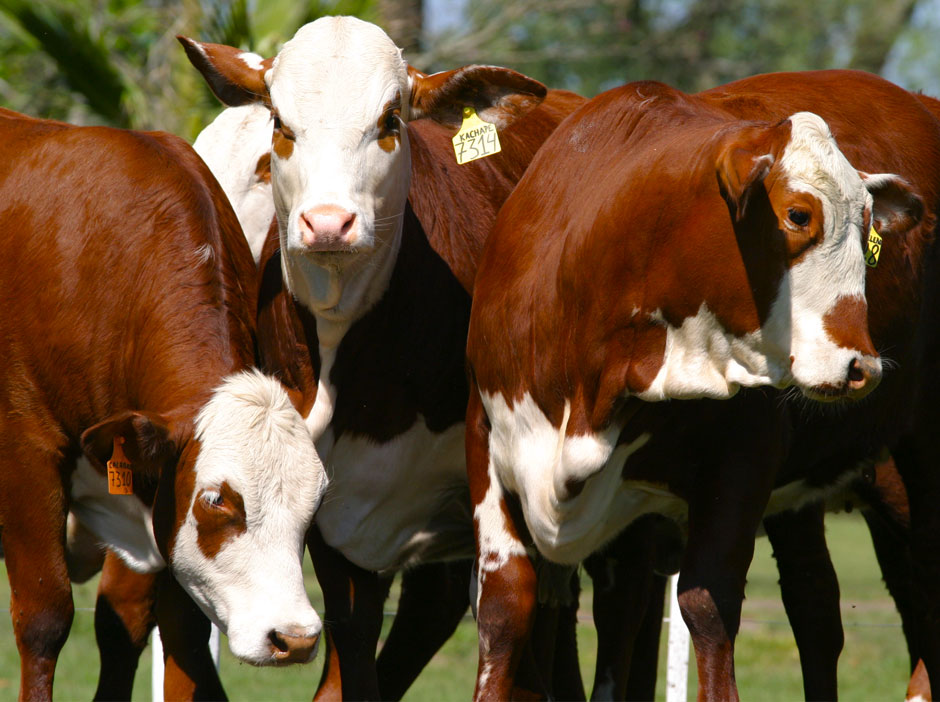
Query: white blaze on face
330	86
830	273
242	562
232	146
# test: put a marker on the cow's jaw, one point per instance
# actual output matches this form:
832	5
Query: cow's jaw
257	481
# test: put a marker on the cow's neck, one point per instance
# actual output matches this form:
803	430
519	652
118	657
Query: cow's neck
337	297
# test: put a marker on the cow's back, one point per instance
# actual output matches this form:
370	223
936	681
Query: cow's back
123	276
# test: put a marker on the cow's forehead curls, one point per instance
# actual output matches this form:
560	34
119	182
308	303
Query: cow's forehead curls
250	422
337	52
814	156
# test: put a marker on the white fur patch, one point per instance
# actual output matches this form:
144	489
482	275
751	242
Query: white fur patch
253	61
122	522
400	502
252	438
702	359
525	459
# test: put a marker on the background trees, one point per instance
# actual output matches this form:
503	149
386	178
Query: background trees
117	62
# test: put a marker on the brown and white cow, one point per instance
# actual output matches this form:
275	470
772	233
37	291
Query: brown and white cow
703	254
142	336
382	279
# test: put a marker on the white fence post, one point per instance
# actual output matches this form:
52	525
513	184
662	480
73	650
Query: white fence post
677	665
156	676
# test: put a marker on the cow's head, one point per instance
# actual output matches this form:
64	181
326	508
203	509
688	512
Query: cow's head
815	333
341	93
235	495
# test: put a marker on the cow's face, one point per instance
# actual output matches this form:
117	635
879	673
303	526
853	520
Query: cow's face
341	93
233	505
815	334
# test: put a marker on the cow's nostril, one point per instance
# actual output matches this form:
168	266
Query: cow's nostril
279	643
856	373
292	648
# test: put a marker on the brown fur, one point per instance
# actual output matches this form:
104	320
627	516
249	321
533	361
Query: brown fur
126	285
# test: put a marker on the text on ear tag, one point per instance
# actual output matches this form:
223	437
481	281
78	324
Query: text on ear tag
475	139
874	247
120	477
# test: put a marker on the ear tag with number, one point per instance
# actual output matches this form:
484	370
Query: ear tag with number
476	138
874	248
120	477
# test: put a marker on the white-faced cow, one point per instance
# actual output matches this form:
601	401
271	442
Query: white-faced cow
128	335
703	254
382	277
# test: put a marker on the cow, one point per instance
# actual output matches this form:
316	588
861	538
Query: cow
236	146
879	126
704	253
372	321
128	335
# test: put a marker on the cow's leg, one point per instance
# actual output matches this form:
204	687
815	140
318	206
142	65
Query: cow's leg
810	591
434	598
641	684
32	512
189	672
353	601
506	578
124	617
623	576
894	558
888	517
566	672
727	503
917	465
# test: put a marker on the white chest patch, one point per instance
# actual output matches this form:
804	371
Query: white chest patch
533	459
400	502
122	522
703	360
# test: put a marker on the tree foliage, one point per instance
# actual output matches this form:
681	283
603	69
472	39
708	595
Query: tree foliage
117	62
590	45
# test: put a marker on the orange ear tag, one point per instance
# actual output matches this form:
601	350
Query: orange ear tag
120	477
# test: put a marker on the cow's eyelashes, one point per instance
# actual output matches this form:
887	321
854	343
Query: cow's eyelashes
799	217
279	127
213	499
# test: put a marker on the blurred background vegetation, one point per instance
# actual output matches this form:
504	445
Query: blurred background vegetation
117	62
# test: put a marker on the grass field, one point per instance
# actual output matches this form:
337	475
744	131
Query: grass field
873	664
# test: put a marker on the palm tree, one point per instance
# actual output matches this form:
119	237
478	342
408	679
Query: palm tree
117	62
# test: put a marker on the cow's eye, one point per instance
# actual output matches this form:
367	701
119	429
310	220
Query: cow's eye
799	217
279	127
392	123
213	499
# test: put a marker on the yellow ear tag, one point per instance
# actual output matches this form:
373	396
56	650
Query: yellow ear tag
476	138
120	477
874	247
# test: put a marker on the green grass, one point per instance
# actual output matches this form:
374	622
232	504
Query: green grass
873	664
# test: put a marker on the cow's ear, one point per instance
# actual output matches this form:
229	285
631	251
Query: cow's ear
746	158
498	95
897	208
145	438
235	76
